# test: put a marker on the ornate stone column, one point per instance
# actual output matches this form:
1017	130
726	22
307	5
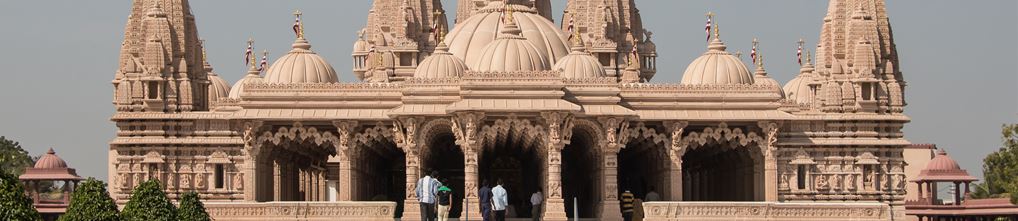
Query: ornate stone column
464	127
769	151
405	137
559	129
344	150
616	137
676	150
250	166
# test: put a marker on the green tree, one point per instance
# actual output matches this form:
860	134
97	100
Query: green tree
13	158
91	202
1000	168
14	204
191	208
149	202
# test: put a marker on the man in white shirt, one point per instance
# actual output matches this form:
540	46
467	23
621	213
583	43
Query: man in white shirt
427	191
535	200
499	201
652	196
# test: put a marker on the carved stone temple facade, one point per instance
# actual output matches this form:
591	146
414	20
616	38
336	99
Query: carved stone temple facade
505	93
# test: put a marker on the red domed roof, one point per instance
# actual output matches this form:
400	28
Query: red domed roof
942	162
50	161
50	167
943	168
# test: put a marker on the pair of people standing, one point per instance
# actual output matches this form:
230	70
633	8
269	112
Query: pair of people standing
434	197
494	201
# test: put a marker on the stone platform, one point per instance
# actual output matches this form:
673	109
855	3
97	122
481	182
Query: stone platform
765	211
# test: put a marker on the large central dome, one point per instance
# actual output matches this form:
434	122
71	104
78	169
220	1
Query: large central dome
469	38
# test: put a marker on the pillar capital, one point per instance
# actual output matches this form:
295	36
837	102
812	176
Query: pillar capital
404	132
616	133
465	127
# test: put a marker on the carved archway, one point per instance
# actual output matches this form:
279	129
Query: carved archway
721	164
290	162
582	169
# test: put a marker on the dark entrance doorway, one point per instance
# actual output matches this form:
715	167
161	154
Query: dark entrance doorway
580	173
446	158
721	172
518	165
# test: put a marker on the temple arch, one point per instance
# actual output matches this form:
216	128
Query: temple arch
290	163
722	164
581	161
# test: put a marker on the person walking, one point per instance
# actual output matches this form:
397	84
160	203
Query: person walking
535	201
444	201
627	205
484	195
427	191
499	201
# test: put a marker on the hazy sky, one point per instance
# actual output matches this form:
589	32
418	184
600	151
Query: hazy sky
960	59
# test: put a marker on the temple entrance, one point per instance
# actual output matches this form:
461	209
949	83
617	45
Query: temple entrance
643	167
581	175
445	157
518	165
287	169
722	172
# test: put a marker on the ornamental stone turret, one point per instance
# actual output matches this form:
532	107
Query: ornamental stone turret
467	8
405	30
611	29
160	61
857	48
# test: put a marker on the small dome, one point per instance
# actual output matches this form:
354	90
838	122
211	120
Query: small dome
50	161
942	162
717	67
943	168
251	78
301	65
471	37
441	64
361	46
799	89
580	64
509	53
218	88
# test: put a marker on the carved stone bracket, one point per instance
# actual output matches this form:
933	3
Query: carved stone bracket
405	133
616	133
560	128
465	127
770	130
678	146
250	133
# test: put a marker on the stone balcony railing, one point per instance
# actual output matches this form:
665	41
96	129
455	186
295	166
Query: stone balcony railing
765	211
302	211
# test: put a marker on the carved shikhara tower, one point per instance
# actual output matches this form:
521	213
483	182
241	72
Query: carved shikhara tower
507	94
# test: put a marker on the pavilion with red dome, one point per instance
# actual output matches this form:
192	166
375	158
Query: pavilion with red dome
50	184
942	170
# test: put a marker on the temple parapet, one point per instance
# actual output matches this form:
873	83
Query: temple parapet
761	211
304	211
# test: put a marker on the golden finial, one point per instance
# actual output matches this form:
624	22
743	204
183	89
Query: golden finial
509	13
299	25
717	30
579	38
204	53
809	57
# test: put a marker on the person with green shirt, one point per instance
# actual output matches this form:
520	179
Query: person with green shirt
444	201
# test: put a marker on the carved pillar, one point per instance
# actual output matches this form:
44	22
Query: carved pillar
344	150
676	150
559	129
250	166
405	137
770	160
277	190
616	138
465	129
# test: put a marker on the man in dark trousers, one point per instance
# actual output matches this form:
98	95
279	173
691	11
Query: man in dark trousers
427	194
484	194
627	205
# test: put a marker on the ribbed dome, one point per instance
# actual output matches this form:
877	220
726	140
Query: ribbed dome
361	46
580	64
50	161
251	78
798	89
301	65
441	64
509	53
942	162
218	88
717	67
471	37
